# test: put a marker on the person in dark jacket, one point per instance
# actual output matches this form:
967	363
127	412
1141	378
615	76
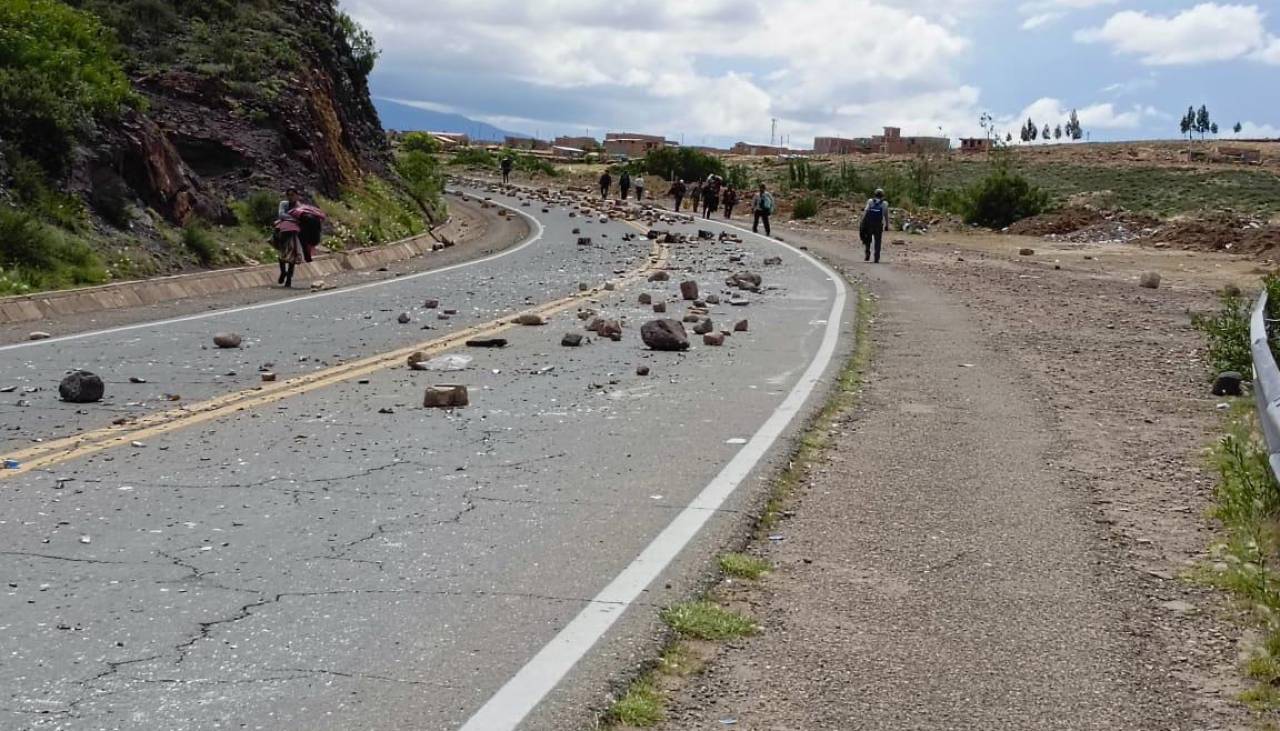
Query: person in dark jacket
728	199
606	182
875	221
507	164
624	184
677	192
710	198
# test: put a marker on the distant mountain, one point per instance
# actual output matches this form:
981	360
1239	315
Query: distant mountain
405	118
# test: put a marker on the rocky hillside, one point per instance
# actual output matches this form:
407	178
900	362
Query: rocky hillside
181	114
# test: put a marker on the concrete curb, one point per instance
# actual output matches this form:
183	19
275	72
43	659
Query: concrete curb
32	307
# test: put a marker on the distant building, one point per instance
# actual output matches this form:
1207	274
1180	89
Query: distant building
631	145
975	144
525	143
842	145
893	143
564	152
586	144
746	148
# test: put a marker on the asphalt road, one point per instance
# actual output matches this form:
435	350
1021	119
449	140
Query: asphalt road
341	558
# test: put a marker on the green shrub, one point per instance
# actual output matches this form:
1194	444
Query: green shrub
738	177
35	256
419	142
32	191
259	209
1227	333
111	198
474	157
682	162
1002	198
534	164
422	178
806	207
364	50
200	242
58	72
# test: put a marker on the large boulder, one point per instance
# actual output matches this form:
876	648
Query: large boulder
81	387
1228	383
749	281
227	340
664	335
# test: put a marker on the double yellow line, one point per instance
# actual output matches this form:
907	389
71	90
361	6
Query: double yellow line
59	450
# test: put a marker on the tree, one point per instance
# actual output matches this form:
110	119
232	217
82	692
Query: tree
1188	122
1032	130
1057	132
1237	128
1214	129
1008	137
364	50
1202	121
1073	129
987	123
1048	132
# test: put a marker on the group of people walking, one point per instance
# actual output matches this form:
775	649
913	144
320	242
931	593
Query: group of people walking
626	182
707	196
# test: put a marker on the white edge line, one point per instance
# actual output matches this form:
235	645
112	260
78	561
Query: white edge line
537	234
507	708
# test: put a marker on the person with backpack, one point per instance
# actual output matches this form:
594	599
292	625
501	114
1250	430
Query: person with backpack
285	237
638	182
875	221
624	184
507	164
677	192
606	182
761	209
710	198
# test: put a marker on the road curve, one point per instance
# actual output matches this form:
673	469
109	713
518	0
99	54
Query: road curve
339	557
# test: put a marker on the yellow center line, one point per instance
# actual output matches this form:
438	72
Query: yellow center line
92	442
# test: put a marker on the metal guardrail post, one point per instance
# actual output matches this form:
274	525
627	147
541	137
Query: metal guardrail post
1266	382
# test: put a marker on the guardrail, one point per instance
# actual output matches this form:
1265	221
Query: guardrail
1266	382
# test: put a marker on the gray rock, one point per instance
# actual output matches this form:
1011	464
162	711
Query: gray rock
404	318
713	339
1149	280
664	334
81	387
227	340
659	277
741	327
571	340
704	327
689	290
39	335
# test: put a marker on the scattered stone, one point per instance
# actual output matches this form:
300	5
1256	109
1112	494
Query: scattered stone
136	379
610	286
659	277
664	334
487	343
773	261
741	327
268	377
442	316
404	318
646	298
39	335
586	314
530	319
451	312
584	241
739	302
642	370
417	361
704	234
445	396
81	387
692	317
713	299
1149	280
1026	252
704	327
571	340
431	304
713	339
611	329
583	286
1231	290
1228	383
227	340
689	290
748	281
660	307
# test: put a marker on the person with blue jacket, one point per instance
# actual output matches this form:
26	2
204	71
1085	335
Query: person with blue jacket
875	221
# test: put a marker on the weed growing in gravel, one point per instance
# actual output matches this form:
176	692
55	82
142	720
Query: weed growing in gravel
742	566
641	706
704	620
1227	333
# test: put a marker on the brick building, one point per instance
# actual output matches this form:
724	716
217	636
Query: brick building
632	145
975	144
586	144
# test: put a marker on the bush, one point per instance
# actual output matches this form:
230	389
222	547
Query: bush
259	209
421	174
738	177
806	207
532	164
419	142
110	197
1227	333
199	241
474	157
36	256
682	162
1003	198
58	72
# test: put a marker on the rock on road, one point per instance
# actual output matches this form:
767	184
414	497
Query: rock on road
344	558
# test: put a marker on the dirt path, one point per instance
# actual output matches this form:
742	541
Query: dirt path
994	539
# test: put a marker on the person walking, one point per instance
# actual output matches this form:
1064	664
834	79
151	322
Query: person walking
624	184
695	196
638	183
606	182
761	210
677	192
710	198
286	238
507	164
875	221
728	199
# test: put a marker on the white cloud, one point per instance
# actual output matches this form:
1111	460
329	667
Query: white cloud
1041	13
1093	118
718	67
1253	130
1205	33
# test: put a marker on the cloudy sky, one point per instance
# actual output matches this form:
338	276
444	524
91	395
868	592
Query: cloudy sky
718	71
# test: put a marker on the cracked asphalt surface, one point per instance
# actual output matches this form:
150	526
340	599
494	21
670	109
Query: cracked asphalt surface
345	559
